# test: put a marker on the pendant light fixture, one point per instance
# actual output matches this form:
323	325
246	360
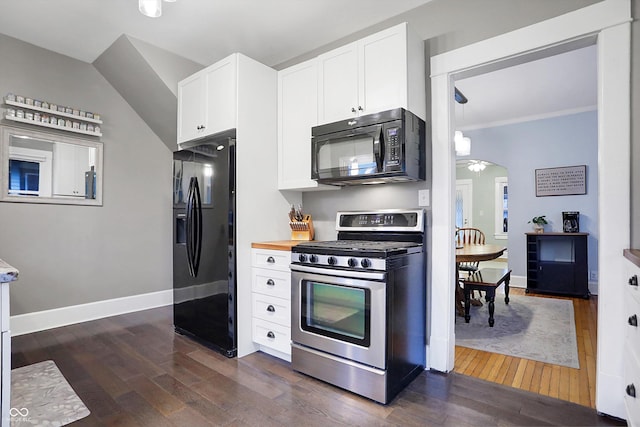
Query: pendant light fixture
462	144
152	8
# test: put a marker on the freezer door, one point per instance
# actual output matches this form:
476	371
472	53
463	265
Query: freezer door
204	243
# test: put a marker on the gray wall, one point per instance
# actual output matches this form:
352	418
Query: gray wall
449	24
521	148
71	255
444	25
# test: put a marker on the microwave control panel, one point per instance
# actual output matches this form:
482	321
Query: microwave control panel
393	149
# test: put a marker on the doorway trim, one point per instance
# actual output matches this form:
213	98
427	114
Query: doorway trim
609	21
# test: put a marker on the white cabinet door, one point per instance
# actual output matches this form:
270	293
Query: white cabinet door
338	84
207	100
70	162
383	71
191	107
221	96
297	114
377	73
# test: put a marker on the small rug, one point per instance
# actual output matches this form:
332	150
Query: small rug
40	395
541	329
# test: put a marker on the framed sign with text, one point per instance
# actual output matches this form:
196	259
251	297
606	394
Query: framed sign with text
563	181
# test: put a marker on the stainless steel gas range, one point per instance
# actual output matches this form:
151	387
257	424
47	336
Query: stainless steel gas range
358	315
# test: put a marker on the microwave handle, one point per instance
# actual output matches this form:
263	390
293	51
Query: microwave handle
378	149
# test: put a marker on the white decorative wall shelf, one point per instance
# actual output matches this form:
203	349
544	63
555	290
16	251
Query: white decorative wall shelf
59	117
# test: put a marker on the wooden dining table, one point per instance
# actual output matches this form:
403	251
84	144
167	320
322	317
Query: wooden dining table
473	253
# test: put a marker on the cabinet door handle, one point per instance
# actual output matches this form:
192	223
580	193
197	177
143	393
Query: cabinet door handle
270	260
271	335
270	282
633	280
271	309
633	320
631	390
360	108
353	109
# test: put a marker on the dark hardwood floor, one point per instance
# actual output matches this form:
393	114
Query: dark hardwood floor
134	370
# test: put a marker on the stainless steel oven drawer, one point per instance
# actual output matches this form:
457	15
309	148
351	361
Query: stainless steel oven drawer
363	380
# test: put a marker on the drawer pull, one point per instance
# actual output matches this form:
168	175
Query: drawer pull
271	335
631	390
633	280
270	282
270	260
633	320
271	309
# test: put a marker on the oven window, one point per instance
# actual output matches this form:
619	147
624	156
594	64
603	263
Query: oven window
349	157
335	311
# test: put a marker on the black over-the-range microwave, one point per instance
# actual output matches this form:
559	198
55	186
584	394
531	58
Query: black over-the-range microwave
384	147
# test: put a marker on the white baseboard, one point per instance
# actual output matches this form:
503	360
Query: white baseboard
39	321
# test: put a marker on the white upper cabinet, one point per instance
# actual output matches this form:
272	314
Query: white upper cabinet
383	71
338	84
297	114
70	163
207	100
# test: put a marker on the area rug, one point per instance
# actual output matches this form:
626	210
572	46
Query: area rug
541	329
40	395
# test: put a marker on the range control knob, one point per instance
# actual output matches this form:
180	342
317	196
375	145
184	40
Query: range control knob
352	262
365	263
331	260
313	258
302	257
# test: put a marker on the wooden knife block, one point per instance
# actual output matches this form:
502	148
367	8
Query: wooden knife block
302	230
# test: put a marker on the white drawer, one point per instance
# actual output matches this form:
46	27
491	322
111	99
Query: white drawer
271	282
272	335
632	283
271	309
632	322
632	381
271	259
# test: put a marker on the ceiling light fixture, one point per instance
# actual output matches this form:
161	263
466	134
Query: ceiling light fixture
462	144
477	166
151	8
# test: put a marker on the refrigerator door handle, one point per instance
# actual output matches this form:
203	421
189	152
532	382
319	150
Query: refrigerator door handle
189	233
197	232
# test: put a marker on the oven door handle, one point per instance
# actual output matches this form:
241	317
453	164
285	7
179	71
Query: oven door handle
367	275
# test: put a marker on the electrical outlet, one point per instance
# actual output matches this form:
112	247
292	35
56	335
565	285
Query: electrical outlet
423	197
593	275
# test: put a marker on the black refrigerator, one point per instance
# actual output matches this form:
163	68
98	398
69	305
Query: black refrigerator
204	252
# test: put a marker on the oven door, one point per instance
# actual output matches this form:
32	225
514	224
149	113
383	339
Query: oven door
343	316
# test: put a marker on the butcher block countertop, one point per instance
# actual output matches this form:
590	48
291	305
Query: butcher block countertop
278	245
633	255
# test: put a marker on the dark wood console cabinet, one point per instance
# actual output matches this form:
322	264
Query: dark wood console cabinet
557	263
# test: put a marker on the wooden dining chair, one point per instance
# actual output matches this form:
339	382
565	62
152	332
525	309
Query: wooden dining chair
469	236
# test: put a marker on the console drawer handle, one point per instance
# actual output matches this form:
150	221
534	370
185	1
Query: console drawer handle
270	282
631	390
270	260
271	309
633	320
633	280
271	335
